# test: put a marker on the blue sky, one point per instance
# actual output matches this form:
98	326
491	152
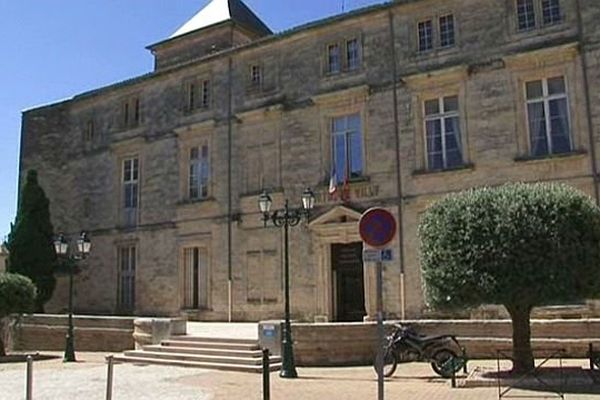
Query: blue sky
54	49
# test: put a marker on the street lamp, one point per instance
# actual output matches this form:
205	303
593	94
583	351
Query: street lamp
285	218
83	247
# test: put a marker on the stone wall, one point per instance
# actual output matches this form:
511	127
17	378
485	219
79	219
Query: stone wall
41	332
355	343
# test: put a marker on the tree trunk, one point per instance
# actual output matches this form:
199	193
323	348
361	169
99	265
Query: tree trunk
522	353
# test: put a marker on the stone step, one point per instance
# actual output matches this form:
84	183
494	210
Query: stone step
193	364
202	339
197	357
204	351
211	344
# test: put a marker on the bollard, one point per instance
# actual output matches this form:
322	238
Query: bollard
109	378
453	373
591	354
266	375
464	351
29	389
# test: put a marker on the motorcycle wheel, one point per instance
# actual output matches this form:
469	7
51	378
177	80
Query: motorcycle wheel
438	360
390	362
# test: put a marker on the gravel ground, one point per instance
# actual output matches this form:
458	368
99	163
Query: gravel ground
86	380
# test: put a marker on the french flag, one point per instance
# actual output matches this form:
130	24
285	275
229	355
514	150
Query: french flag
333	182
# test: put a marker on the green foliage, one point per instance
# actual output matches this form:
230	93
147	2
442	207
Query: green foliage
17	294
517	245
30	241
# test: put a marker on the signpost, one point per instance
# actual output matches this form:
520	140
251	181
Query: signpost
377	228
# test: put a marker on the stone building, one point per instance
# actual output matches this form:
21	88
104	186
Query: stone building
398	103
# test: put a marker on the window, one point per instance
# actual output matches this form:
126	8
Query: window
447	30
126	281
255	75
525	14
347	157
442	130
198	172
130	182
198	95
352	54
551	12
205	94
334	65
131	114
130	190
548	115
195	291
425	35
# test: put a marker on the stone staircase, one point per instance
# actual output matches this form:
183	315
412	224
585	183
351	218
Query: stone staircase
242	355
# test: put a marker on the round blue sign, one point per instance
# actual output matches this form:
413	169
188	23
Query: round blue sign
377	227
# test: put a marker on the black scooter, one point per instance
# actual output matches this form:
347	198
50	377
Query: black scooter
406	345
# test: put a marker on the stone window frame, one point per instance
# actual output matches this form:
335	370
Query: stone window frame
203	244
200	160
119	247
342	42
256	75
89	131
128	149
539	23
259	130
435	19
263	252
453	83
431	42
545	99
441	32
194	91
195	137
339	105
548	65
442	116
264	242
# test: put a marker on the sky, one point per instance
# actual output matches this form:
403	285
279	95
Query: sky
54	49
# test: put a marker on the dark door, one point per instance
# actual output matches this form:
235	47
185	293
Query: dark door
349	281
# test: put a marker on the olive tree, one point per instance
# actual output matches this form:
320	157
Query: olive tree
17	295
519	245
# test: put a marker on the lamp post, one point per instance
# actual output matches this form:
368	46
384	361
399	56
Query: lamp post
83	247
285	218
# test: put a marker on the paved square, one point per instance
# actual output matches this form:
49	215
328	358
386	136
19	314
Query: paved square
87	380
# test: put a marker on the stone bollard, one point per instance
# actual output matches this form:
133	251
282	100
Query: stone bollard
29	386
109	377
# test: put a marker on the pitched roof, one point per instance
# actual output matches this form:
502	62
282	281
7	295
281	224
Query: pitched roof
218	11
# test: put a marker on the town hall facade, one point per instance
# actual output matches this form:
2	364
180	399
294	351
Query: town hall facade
393	105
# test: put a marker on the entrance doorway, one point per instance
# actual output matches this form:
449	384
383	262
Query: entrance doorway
348	282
